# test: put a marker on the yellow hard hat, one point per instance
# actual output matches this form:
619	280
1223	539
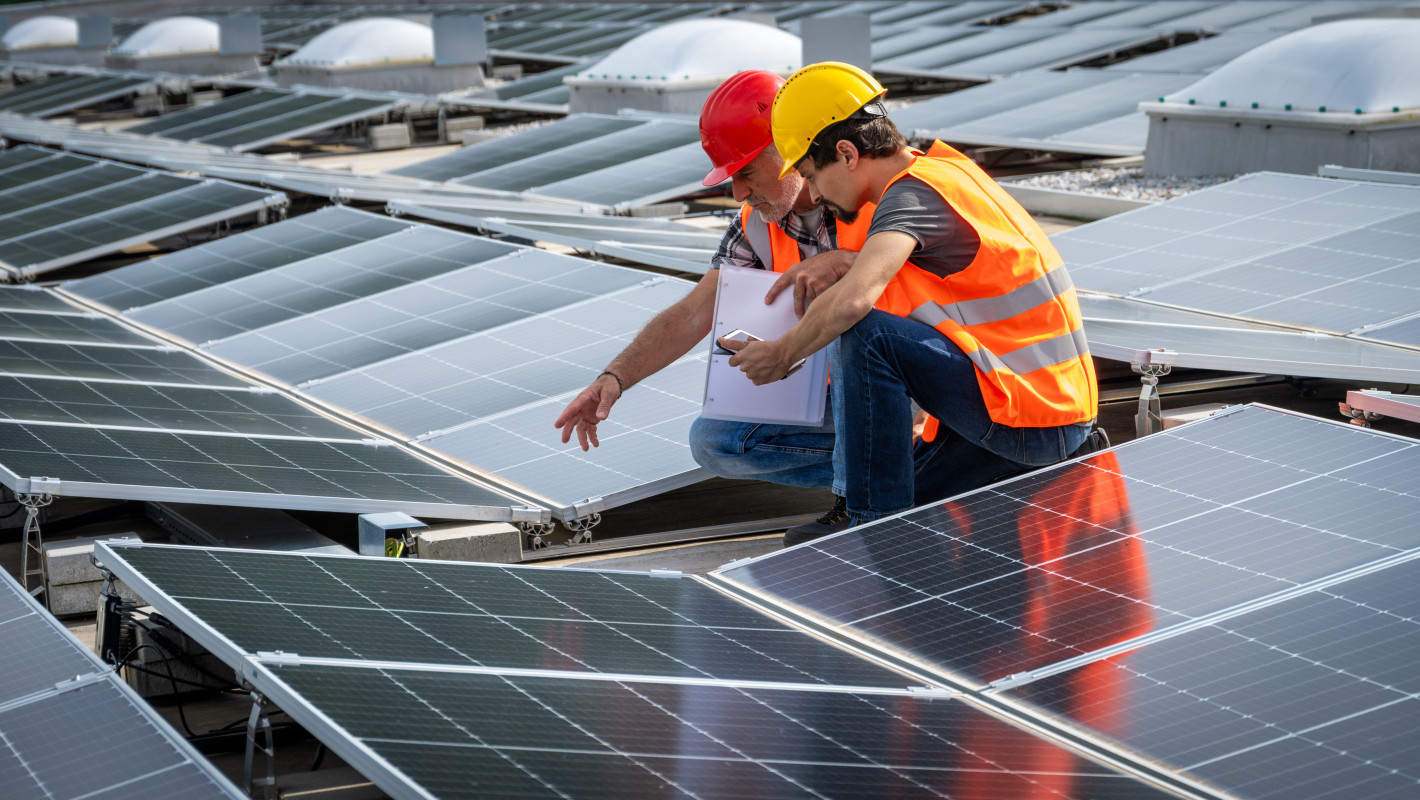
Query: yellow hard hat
814	98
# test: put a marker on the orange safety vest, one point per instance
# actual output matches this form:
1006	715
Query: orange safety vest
785	250
1012	310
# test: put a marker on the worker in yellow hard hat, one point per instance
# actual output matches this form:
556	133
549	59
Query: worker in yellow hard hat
957	303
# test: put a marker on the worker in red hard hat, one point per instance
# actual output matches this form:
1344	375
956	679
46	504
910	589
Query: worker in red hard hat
779	227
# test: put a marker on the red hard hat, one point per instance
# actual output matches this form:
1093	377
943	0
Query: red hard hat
734	124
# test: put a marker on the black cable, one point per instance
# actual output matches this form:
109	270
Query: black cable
176	697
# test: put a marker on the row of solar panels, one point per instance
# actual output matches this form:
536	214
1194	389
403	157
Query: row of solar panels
1226	609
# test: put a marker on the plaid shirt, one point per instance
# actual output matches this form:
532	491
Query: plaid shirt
735	249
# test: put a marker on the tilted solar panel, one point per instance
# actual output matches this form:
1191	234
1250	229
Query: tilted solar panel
58	699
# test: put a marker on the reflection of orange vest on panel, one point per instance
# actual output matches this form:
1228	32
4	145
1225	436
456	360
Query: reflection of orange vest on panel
784	251
1012	310
1088	588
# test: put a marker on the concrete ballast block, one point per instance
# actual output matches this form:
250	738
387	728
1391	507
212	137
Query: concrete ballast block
496	542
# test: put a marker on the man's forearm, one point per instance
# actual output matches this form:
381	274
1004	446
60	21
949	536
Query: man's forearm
669	335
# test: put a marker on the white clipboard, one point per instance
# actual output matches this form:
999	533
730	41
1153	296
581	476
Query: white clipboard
729	394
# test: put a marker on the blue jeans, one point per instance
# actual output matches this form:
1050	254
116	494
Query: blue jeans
884	363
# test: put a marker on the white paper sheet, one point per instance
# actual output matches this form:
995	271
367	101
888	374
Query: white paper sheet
739	305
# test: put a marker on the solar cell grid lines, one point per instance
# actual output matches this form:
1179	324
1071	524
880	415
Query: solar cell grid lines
1137	332
1322	253
57	698
161	408
415	316
972	587
1322	702
66	92
254	471
64	210
660	243
255	119
274	245
490	616
145	363
65	327
584	738
535	359
315	283
588	158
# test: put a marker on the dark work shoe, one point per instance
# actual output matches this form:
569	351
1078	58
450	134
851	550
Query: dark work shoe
835	520
1097	440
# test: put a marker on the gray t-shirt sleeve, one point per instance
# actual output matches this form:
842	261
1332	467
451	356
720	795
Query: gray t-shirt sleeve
946	243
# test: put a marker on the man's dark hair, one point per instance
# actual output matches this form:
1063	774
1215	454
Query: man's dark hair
874	135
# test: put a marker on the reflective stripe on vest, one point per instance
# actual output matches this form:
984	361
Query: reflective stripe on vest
1013	310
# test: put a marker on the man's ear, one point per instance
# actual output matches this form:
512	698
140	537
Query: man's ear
848	152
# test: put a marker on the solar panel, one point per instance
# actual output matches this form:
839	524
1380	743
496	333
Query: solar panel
77	182
45	165
31	298
666	175
184	208
427	330
1073	111
1400	406
66	327
717	708
1317	252
408	318
58	699
491	153
659	243
1204	55
1087	12
291	240
264	116
935	60
486	616
318	282
86	91
1314	696
527	359
251	471
40	87
332	113
1076	46
83	209
937	115
644	449
176	121
1086	557
16	156
586	738
141	364
246	410
1141	333
541	173
899	43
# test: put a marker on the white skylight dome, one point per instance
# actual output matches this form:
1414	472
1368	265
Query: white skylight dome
695	51
1352	66
172	36
366	42
43	31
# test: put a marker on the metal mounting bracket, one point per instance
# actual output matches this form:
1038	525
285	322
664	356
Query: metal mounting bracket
41	494
260	720
582	526
1359	417
1149	418
536	533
